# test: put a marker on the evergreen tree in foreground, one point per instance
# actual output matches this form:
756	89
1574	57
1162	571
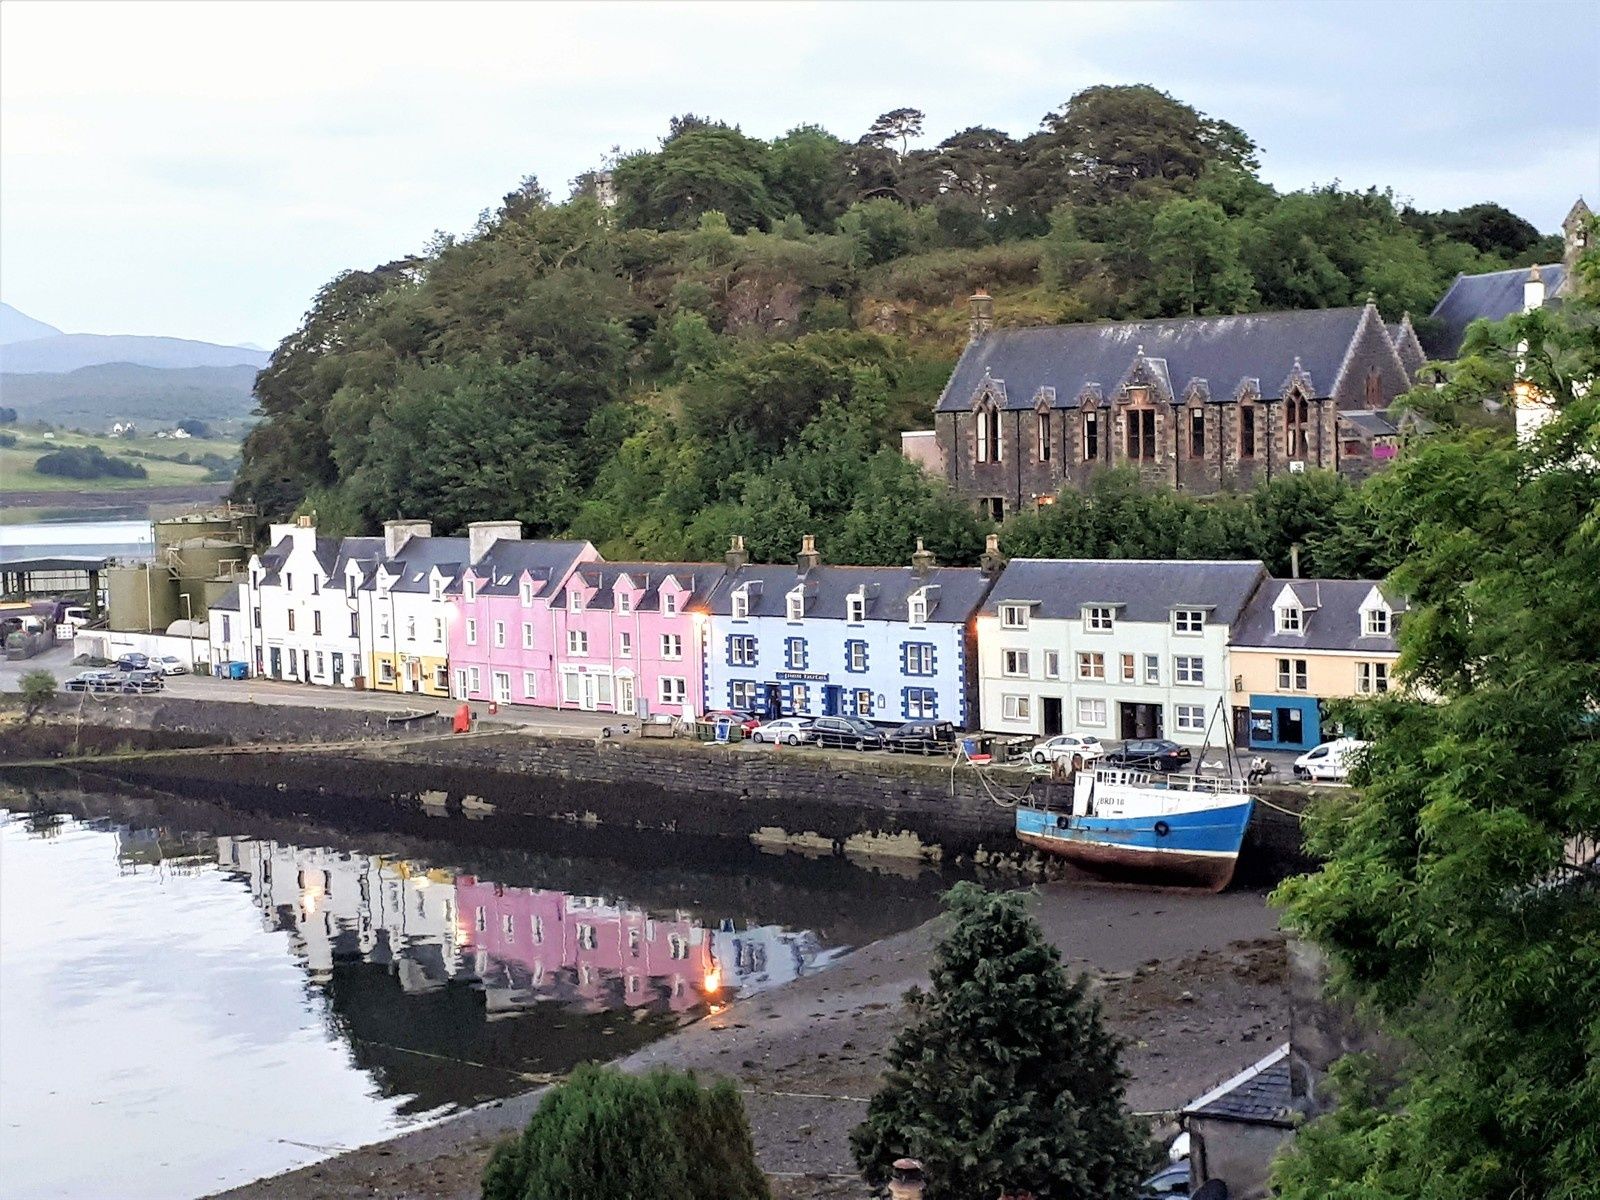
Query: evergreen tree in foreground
604	1135
1005	1079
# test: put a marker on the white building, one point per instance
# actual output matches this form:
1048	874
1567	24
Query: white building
1119	649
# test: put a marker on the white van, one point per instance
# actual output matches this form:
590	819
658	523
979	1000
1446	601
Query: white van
1329	762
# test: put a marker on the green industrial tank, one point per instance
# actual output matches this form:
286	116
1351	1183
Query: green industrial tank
143	598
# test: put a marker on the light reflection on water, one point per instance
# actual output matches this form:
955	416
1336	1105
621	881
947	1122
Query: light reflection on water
182	1013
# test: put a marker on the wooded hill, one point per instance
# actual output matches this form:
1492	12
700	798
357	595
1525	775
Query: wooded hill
727	334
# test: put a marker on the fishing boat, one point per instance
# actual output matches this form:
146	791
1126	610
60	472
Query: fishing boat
1123	821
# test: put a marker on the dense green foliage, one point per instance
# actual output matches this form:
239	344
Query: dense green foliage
738	342
604	1135
1455	902
1004	1081
38	689
87	462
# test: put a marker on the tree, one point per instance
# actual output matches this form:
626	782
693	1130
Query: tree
195	427
1455	902
38	689
1194	250
1004	1080
604	1135
703	168
899	124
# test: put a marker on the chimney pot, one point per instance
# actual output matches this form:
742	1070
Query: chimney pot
482	535
922	561
980	307
397	533
809	557
1294	560
991	560
1533	291
736	556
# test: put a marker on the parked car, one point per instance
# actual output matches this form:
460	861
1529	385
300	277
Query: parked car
791	731
170	664
1067	746
842	732
1169	1183
921	737
94	681
746	723
142	681
1331	761
1154	754
133	662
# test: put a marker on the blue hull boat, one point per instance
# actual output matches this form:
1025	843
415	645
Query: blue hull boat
1176	829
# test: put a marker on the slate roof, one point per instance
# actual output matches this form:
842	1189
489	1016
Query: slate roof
1331	617
1222	351
961	591
1144	590
698	578
1370	424
227	602
420	555
1493	296
503	565
1261	1094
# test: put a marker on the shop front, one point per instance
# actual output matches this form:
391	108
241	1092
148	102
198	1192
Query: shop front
1284	722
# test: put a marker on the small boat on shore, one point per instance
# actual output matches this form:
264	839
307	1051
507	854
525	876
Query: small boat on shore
1121	821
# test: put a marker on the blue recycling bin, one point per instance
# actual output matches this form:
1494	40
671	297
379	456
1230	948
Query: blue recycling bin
238	670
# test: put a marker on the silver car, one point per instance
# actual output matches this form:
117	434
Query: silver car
791	731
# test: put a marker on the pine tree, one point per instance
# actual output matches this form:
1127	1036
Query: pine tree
1005	1079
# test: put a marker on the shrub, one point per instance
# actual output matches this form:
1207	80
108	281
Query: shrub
87	462
943	276
604	1135
38	688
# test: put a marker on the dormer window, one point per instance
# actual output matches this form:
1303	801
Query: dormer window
574	601
1013	616
669	604
469	589
917	608
350	586
1378	623
796	604
1188	620
288	581
741	604
855	608
624	603
526	593
1291	618
436	588
1099	619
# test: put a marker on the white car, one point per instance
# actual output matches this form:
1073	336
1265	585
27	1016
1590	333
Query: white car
791	731
1066	747
1331	761
168	664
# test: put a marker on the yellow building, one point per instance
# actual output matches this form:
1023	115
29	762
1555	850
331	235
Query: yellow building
1300	642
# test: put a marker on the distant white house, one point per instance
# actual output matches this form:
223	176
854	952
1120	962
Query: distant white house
180	433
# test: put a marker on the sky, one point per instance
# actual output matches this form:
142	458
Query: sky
200	170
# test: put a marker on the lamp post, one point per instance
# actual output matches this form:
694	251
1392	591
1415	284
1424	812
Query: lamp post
188	608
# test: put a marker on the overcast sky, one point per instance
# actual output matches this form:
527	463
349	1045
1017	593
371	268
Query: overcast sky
199	170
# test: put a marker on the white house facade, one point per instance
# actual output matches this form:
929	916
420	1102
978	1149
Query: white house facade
1118	649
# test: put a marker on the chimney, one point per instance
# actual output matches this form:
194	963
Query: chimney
981	307
1533	291
809	557
1294	560
992	561
905	1180
736	556
923	561
303	533
396	533
483	534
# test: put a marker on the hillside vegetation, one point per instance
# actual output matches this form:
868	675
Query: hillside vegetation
735	345
96	397
76	462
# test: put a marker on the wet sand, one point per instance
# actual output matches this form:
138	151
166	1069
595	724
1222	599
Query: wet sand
1193	983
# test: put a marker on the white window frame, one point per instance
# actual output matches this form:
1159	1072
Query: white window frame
742	694
1014	663
1293	674
624	604
669	604
469	590
744	650
1128	667
1014	616
624	644
499	633
578	643
671	689
530	684
385	671
795	604
527	635
1190	718
1188	622
1016	707
671	646
919	658
855	608
1290	618
574	601
1152	669
856	655
1092	712
1091	665
741	603
1372	678
472	631
1376	623
1098	618
1189	670
525	592
1052	664
917	609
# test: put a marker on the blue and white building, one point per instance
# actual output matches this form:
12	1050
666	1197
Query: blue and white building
889	644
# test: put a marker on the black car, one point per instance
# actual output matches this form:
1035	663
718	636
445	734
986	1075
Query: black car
1153	754
143	681
94	681
133	662
846	732
921	737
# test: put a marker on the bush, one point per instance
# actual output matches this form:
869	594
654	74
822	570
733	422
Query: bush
38	689
1005	1081
604	1135
943	276
87	462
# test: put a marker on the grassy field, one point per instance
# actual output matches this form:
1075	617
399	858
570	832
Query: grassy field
17	473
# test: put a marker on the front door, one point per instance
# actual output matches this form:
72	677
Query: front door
586	693
773	693
1052	716
338	669
1291	726
502	687
830	700
275	656
414	675
1139	720
625	695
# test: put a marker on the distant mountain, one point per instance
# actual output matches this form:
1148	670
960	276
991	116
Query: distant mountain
93	397
70	351
20	327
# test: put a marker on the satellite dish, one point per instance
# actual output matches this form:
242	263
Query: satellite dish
1211	1189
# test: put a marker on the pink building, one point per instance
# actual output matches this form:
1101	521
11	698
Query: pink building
503	639
528	945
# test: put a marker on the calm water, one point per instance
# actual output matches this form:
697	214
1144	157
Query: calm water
193	1001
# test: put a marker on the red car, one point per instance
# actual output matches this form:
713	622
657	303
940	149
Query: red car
745	721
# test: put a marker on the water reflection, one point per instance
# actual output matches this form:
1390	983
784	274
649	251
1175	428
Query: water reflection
173	995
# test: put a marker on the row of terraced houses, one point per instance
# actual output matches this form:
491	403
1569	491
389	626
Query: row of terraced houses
1185	650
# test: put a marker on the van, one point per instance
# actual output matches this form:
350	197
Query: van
1329	762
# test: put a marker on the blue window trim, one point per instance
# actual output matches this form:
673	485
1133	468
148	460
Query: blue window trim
928	703
849	657
796	653
924	650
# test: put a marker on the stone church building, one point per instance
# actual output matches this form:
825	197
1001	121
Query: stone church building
1199	404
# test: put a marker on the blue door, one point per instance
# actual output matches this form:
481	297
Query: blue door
277	662
830	699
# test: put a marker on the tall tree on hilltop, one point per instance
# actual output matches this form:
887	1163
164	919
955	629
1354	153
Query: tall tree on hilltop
1004	1080
896	125
1460	899
702	169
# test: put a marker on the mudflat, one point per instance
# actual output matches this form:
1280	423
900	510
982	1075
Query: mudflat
1193	983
